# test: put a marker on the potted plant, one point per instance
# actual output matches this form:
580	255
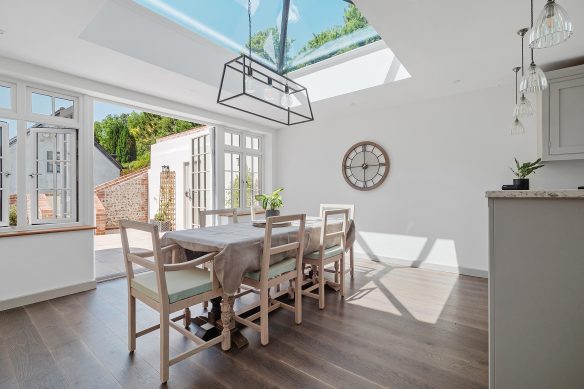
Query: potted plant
524	170
161	218
271	202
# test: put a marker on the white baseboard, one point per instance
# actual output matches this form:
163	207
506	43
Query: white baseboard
431	266
46	295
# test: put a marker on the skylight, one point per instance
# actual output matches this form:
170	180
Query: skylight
317	30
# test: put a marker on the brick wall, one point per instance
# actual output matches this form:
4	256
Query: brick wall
100	216
125	197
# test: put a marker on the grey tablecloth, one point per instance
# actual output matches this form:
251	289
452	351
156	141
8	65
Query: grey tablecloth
240	245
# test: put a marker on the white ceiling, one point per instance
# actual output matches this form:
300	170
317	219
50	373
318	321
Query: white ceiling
116	42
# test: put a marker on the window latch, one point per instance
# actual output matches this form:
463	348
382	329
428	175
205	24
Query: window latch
33	175
6	174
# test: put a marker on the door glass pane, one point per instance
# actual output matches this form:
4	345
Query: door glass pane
235	140
5	97
42	104
256	144
227	138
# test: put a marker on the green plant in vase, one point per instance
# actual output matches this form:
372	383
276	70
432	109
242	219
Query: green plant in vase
271	202
522	171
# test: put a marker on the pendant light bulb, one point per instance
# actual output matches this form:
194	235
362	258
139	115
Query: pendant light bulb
250	83
517	127
270	92
523	108
553	27
286	100
534	80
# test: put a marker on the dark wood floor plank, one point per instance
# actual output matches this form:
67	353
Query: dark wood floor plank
33	364
398	328
77	363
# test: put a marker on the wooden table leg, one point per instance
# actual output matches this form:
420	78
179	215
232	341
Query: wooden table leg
227	320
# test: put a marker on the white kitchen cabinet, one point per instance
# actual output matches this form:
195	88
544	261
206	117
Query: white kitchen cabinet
562	115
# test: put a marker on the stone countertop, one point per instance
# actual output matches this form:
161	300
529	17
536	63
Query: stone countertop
536	194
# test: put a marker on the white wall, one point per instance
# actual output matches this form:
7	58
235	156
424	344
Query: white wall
444	153
52	264
103	169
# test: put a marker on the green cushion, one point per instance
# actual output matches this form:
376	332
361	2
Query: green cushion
181	284
330	252
277	269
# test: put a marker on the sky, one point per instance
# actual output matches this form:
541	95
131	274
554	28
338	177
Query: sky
225	21
101	110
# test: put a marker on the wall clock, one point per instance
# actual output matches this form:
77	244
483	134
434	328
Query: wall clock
365	166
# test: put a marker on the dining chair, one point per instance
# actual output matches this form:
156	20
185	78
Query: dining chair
327	254
351	208
255	211
269	276
167	288
216	214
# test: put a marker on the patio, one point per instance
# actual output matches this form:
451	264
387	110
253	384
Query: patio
109	262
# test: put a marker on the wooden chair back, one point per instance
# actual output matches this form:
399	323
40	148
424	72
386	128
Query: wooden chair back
326	235
350	207
156	265
297	244
216	213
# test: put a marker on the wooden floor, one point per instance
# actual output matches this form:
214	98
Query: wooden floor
398	328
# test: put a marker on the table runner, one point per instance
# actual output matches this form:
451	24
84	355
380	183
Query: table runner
240	245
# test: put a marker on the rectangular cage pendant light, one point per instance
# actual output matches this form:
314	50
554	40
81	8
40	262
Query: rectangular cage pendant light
249	86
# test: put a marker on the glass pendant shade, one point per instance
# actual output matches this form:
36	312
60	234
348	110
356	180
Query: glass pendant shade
270	93
553	27
250	84
517	127
523	108
534	80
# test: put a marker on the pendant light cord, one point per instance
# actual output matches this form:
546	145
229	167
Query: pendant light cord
522	54
532	61
249	21
516	86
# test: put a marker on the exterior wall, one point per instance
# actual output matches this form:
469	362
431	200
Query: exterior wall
100	216
125	198
173	152
104	170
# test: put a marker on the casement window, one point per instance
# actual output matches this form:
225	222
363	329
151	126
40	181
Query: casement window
243	168
53	173
39	157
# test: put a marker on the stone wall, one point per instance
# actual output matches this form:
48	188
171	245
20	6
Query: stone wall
100	216
125	197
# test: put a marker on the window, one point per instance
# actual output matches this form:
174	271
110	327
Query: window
53	174
243	169
51	104
39	158
201	183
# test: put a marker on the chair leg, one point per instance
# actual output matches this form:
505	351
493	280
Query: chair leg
205	304
298	300
336	272
264	306
342	275
164	347
321	285
187	318
352	262
131	323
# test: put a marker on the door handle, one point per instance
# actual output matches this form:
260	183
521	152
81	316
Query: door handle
33	175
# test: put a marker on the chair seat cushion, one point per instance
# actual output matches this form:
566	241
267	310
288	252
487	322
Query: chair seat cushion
277	269
181	284
330	252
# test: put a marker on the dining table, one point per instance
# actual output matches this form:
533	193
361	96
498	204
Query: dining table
239	248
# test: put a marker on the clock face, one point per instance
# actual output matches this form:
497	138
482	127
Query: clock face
365	166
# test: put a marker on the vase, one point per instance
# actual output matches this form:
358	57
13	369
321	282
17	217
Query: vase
272	212
521	183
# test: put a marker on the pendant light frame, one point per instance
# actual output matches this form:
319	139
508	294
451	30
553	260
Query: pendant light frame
234	94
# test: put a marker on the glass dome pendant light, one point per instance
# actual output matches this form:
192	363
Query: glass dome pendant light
517	127
553	27
250	83
523	108
534	80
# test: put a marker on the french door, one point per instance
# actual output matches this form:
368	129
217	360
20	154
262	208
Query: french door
201	185
4	175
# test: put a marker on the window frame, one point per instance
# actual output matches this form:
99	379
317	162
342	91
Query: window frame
21	161
4	168
244	152
34	189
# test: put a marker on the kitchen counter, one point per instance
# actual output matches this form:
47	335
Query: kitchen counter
536	194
